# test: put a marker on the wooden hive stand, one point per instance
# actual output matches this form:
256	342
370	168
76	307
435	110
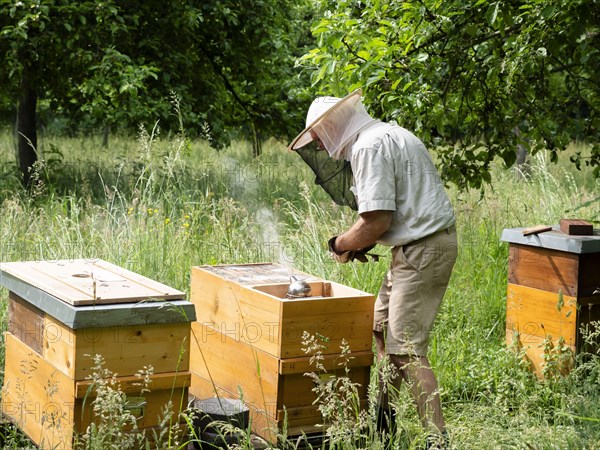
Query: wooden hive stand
553	293
61	313
247	342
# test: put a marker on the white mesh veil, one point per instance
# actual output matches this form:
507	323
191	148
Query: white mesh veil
338	129
337	124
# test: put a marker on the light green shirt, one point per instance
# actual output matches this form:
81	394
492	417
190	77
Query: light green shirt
393	171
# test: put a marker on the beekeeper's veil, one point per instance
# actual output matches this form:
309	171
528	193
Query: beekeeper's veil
337	123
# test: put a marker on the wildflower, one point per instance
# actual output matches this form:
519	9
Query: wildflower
167	221
130	211
186	225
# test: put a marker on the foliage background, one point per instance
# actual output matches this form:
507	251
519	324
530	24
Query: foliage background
473	79
462	75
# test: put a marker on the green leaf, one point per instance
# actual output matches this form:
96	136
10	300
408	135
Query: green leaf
494	14
364	55
561	301
408	85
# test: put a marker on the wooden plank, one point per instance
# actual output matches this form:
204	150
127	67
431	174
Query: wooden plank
36	396
330	361
95	316
85	282
541	268
536	313
338	319
203	388
128	349
26	322
257	273
162	291
234	366
130	384
48	405
307	415
125	349
537	229
234	310
59	347
149	417
268	424
302	416
296	390
576	227
357	332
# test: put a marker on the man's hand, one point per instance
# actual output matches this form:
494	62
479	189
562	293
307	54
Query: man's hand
350	255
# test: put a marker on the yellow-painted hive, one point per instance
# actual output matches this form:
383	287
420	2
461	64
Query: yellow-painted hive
247	341
61	314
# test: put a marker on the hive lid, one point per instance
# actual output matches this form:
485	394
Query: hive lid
555	240
257	273
86	281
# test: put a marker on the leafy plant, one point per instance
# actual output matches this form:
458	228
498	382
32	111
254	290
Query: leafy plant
472	79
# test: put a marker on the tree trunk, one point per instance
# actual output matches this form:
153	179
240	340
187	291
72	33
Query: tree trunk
26	127
105	134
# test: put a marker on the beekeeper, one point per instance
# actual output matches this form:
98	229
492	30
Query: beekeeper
401	203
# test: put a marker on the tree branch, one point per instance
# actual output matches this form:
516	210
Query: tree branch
350	50
226	81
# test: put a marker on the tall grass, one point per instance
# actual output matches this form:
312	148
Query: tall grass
158	206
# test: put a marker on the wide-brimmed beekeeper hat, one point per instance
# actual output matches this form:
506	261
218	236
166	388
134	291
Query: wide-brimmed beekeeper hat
335	121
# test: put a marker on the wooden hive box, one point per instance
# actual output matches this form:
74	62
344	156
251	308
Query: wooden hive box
553	290
61	313
248	339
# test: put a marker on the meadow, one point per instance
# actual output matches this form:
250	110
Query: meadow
159	205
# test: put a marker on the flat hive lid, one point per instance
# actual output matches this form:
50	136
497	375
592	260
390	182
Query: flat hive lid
87	282
89	293
555	240
258	273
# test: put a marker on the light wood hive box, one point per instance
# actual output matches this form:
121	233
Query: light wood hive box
61	313
247	341
553	291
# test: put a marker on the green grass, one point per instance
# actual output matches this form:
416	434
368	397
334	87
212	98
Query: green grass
158	206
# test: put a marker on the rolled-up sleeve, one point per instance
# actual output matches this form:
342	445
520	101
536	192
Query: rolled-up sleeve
374	180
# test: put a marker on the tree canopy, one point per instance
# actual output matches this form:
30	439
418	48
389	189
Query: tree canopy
472	78
118	64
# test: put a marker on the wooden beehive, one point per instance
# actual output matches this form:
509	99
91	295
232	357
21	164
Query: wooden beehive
553	290
61	313
248	339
